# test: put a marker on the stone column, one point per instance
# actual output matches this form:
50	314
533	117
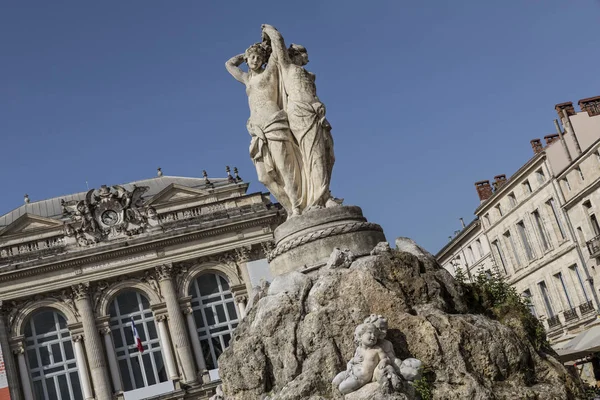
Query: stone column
165	345
112	359
93	342
241	300
181	343
12	372
86	386
193	329
23	372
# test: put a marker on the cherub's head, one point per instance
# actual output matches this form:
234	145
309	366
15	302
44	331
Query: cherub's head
380	322
365	334
256	56
298	54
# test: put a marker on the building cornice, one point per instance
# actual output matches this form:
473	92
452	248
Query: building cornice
511	182
126	248
461	235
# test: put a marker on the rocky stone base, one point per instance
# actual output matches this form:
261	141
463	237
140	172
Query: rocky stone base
306	242
298	335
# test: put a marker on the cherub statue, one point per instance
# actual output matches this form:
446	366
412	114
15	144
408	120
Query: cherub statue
409	369
368	363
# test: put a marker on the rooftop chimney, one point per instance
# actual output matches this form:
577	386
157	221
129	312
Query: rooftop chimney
26	199
537	146
499	180
551	138
484	190
568	107
590	105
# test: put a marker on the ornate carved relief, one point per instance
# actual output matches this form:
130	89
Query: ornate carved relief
108	212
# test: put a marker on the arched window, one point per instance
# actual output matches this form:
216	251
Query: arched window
138	369
215	315
51	359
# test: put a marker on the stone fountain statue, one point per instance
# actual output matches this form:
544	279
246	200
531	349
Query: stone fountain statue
291	144
292	149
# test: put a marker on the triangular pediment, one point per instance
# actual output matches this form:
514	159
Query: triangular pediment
29	223
176	193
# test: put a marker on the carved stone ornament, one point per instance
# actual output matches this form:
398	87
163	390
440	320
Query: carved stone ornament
81	290
19	348
161	318
150	277
164	271
242	254
78	337
241	298
108	212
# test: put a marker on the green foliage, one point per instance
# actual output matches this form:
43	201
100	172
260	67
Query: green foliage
492	295
422	385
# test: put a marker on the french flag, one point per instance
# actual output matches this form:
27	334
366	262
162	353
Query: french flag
136	337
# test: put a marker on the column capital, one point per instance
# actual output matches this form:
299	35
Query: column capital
161	317
267	247
242	254
105	330
18	348
187	310
241	298
164	272
78	337
81	290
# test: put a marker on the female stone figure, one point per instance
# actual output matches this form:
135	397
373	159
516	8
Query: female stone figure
306	115
272	148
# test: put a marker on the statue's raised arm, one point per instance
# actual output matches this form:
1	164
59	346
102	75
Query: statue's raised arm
277	44
233	67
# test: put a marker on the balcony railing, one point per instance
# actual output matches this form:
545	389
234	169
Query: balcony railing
553	321
586	307
570	315
594	247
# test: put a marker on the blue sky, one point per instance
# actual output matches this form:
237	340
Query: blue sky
425	98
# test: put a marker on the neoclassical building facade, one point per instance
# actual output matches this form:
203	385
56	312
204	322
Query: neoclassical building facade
130	291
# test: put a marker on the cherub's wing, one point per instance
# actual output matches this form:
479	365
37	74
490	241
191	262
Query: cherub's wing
136	196
89	197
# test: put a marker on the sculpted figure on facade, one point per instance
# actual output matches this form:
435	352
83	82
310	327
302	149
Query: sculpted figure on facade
273	148
306	115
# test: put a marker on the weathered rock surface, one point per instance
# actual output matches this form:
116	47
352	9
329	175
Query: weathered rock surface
299	336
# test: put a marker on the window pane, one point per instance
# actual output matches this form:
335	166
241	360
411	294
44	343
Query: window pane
224	283
39	390
64	387
128	303
136	368
148	369
210	316
160	367
210	364
208	284
32	358
56	353
231	310
125	377
76	386
117	339
44	355
51	388
198	318
220	313
44	322
151	330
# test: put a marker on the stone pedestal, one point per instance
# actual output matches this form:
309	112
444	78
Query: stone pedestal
306	242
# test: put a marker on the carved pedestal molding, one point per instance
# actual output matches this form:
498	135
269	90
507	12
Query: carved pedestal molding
84	377
181	343
19	351
93	344
112	359
12	373
165	344
198	354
